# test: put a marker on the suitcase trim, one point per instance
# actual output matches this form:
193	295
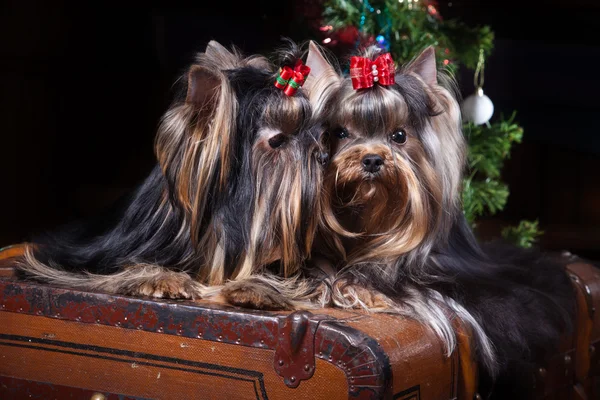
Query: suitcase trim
366	366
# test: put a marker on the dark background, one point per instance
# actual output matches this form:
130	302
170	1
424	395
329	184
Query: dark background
82	89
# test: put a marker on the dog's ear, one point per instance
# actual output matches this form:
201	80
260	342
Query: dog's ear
206	77
322	77
225	59
424	66
221	57
193	141
319	66
203	86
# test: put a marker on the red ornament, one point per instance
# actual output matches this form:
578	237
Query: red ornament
433	11
365	72
348	34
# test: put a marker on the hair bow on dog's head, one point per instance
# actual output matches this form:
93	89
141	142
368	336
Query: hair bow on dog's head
290	80
364	72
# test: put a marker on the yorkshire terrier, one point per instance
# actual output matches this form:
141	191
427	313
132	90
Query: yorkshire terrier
232	205
395	235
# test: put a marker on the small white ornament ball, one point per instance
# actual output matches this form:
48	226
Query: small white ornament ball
477	108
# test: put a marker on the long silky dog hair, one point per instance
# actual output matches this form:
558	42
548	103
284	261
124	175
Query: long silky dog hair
233	197
395	234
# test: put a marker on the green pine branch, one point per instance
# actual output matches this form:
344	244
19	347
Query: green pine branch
483	192
524	235
490	145
483	197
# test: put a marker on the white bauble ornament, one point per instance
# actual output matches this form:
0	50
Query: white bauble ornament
477	108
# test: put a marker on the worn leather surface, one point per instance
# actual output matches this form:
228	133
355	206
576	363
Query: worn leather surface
148	365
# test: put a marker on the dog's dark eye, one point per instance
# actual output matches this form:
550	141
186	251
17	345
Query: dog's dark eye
277	140
399	136
341	133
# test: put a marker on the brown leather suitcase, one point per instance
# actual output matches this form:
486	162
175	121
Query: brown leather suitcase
60	343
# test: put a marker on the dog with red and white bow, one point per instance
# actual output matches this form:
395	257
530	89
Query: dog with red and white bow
393	234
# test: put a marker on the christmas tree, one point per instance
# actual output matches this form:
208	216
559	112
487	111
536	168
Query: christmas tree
405	28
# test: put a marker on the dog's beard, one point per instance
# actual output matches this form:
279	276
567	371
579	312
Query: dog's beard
375	216
363	205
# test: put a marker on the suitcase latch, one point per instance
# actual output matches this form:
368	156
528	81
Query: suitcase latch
295	351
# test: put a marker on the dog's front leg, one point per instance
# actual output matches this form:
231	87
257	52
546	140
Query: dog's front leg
349	294
270	292
258	292
155	281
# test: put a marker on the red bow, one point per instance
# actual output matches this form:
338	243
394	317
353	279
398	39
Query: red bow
290	80
365	72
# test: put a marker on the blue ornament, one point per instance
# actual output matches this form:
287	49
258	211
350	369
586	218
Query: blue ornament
382	42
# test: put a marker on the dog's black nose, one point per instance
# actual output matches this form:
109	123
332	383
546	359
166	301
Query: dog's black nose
323	157
372	163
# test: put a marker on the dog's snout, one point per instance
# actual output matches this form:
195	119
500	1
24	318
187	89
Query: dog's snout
372	163
323	157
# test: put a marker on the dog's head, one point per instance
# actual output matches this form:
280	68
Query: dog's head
396	157
242	160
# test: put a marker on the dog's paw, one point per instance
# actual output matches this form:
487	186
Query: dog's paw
321	295
249	294
352	295
169	285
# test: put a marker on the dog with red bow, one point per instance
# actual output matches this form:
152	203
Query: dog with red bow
231	207
393	234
